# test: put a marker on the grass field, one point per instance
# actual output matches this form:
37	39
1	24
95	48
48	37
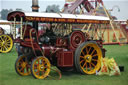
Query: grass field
8	76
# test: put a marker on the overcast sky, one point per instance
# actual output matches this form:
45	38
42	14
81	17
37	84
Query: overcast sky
26	6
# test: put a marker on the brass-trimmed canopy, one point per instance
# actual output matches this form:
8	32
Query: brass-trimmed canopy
57	17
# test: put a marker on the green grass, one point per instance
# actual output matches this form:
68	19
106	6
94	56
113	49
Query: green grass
8	76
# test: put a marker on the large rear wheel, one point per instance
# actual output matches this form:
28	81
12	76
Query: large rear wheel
6	43
87	57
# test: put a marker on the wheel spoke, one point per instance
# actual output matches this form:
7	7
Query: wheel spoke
94	60
84	64
87	50
19	66
5	39
1	47
43	72
94	55
83	53
86	68
8	40
81	61
2	39
81	56
7	43
92	64
37	72
22	69
5	47
47	67
35	66
93	51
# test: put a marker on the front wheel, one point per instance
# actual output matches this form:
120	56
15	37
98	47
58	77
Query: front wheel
40	67
22	66
87	57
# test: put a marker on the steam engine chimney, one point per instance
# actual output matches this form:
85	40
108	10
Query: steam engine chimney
35	8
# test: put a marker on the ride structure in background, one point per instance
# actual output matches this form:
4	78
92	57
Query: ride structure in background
113	33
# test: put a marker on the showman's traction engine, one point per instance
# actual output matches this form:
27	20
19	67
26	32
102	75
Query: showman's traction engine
49	39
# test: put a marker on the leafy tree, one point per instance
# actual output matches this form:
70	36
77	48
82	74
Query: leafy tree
4	12
53	8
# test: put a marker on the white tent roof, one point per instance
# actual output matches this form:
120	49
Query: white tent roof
5	21
69	16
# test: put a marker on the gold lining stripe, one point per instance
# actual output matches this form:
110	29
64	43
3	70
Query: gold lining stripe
64	20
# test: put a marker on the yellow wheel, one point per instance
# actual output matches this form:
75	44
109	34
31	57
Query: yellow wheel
40	67
87	57
22	66
6	43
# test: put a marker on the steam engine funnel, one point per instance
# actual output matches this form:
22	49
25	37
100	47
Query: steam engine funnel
35	6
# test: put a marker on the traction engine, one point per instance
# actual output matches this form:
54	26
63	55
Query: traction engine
56	43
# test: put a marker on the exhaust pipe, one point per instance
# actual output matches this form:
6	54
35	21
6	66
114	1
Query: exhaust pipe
35	8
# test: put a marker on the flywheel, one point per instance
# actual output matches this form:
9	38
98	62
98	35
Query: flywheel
87	57
76	38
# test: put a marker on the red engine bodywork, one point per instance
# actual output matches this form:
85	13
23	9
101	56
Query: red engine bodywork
65	58
64	49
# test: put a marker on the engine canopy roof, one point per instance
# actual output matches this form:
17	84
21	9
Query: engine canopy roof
57	17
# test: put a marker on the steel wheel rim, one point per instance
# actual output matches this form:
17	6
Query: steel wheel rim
41	67
6	43
90	58
22	66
